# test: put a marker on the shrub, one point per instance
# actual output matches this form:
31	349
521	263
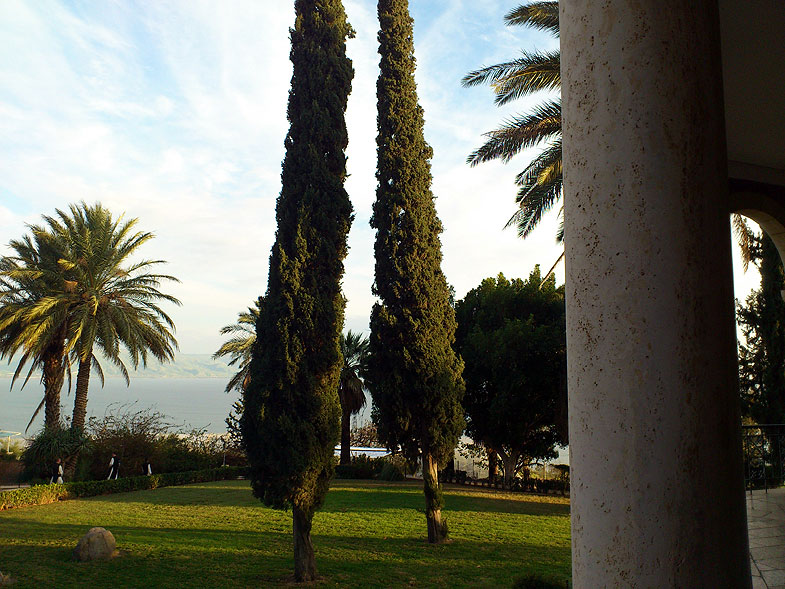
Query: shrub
361	467
49	444
365	467
391	472
42	494
133	434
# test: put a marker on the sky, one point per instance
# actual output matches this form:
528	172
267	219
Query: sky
174	112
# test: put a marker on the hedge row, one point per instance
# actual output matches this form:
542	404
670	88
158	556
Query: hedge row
42	494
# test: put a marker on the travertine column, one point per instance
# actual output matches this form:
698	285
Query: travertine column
657	484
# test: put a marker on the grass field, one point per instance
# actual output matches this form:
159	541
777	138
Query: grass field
217	535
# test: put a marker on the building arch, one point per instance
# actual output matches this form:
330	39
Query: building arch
764	204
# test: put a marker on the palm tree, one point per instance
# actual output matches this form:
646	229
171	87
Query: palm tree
351	392
110	300
239	349
240	346
26	281
540	183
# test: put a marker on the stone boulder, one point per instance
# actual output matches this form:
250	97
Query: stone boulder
6	580
97	544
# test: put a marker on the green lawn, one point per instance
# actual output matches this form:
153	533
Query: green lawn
217	535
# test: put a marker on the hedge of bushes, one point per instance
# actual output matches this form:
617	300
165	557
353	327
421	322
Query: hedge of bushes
530	485
42	494
385	468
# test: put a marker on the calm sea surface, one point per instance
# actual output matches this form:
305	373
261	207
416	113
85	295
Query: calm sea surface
196	402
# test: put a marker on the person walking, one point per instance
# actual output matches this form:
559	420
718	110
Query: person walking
57	472
114	467
147	469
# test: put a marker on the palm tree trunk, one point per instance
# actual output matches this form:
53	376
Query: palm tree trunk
54	373
304	559
437	529
346	452
80	396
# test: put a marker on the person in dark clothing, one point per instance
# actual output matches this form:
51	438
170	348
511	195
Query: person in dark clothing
147	468
57	472
114	467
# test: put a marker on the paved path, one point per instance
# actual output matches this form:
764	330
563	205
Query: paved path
11	487
766	522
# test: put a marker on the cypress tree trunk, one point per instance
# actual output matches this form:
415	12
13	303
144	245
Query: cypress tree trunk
80	395
413	373
304	559
346	445
437	529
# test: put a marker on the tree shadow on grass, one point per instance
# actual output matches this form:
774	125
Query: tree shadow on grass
343	500
192	557
39	555
363	561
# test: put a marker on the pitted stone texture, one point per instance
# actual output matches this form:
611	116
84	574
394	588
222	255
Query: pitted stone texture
655	443
97	544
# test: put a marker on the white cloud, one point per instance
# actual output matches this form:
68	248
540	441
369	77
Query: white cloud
176	114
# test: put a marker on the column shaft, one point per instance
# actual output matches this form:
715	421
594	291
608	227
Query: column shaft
657	483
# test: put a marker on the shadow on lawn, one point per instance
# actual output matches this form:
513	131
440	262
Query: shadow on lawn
190	557
346	500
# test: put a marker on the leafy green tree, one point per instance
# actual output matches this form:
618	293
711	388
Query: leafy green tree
540	182
112	301
291	419
351	389
511	336
762	356
27	280
413	373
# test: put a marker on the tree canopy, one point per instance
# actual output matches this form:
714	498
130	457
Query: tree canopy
511	336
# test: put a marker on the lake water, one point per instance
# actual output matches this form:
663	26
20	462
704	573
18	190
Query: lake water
196	402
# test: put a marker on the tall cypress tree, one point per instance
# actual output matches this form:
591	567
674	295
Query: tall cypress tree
291	420
762	359
414	375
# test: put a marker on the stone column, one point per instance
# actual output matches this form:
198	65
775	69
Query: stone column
657	483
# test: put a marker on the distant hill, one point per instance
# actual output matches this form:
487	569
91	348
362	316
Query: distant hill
184	366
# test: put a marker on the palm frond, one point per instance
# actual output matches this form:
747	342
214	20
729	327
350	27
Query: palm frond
35	413
524	131
535	198
240	347
351	391
744	237
540	15
532	72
